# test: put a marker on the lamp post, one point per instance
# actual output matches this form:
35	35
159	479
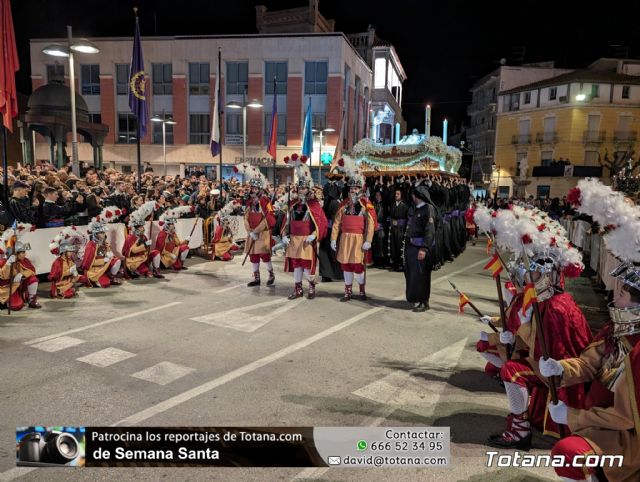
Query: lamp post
234	104
165	120
56	50
320	132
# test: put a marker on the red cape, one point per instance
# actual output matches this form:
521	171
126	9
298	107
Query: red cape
267	210
89	255
129	242
317	215
55	275
161	241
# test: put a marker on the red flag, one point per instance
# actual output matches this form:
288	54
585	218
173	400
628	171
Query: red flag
273	138
529	297
462	302
8	67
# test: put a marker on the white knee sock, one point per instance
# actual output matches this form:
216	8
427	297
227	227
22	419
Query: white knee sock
297	275
184	254
348	278
518	397
359	278
256	267
32	289
156	261
309	276
493	359
116	267
269	266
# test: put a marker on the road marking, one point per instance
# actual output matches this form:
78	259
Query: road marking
101	323
229	288
242	320
106	357
58	344
163	373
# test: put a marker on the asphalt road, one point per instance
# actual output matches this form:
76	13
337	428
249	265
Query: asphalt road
202	349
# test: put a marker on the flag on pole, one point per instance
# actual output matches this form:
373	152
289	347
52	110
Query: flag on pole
215	120
137	83
494	265
529	297
307	135
462	302
273	137
8	67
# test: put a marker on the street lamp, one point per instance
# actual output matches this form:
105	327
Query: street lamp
320	132
234	104
57	50
165	120
581	97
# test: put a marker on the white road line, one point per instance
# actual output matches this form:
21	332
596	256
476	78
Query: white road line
163	373
229	288
242	320
58	344
101	323
107	357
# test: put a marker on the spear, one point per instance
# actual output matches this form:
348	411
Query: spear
553	381
473	307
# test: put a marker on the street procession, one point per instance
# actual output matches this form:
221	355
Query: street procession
260	252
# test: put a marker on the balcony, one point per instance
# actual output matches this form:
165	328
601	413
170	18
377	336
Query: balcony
547	137
521	139
559	171
625	136
593	137
233	139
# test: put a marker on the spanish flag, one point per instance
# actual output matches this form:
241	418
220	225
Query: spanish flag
494	265
463	301
489	245
529	297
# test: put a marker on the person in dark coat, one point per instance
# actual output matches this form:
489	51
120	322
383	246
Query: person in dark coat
22	208
418	252
398	213
329	267
379	245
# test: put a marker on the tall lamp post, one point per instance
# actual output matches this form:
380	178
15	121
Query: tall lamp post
320	133
234	104
57	50
165	121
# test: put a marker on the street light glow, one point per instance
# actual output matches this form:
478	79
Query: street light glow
580	97
234	104
254	103
84	46
56	50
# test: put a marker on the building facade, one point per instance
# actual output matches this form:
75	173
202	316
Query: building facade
318	68
481	133
581	123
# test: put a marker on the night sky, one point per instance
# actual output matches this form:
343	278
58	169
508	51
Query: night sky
444	46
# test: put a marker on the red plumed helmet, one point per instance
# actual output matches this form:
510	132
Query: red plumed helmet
573	197
572	271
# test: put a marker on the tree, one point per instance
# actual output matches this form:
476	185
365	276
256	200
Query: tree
621	160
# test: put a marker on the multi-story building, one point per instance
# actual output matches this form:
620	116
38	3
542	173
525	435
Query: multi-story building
581	123
483	109
317	65
385	112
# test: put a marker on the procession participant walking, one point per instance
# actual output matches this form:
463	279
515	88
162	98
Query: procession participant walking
352	231
306	226
398	214
329	267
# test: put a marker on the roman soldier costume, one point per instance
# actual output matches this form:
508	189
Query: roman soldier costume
173	251
306	226
352	232
18	281
99	264
140	259
259	220
222	245
64	272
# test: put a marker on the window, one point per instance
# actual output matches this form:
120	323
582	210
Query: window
553	93
127	129
233	124
157	131
199	129
277	70
198	80
122	79
238	77
90	79
315	78
318	120
95	118
55	73
543	192
282	128
595	91
625	91
162	79
527	98
545	158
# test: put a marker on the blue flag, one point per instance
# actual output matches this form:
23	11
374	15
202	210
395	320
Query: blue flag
307	135
137	79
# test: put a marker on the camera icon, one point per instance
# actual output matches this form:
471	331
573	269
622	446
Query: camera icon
47	449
